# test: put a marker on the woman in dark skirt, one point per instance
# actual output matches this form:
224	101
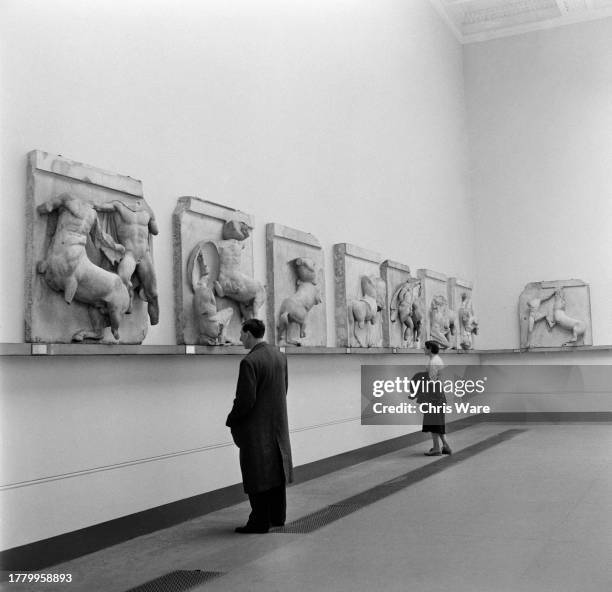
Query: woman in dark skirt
434	421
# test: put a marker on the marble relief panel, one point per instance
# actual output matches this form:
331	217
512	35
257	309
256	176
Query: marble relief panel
214	287
90	273
360	294
403	315
460	303
296	287
555	313
440	321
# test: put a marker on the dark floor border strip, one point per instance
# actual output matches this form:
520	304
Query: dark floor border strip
64	547
356	502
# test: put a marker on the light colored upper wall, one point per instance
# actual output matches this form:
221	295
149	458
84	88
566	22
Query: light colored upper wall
540	121
342	119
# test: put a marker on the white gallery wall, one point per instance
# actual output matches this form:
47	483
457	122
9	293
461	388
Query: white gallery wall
345	119
540	128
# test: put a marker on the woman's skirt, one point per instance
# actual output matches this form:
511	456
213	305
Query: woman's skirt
434	423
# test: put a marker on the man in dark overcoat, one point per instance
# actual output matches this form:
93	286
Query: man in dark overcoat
260	429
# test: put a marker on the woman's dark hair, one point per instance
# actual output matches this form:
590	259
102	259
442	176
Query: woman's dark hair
255	327
432	346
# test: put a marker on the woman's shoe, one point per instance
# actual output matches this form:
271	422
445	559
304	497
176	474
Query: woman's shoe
446	450
433	452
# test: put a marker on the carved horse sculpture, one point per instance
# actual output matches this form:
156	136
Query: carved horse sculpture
210	322
68	269
555	314
295	309
468	323
407	308
364	312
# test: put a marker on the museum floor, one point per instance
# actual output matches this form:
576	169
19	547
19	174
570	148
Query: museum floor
518	508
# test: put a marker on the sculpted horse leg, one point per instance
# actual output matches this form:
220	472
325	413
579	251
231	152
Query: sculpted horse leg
373	332
578	331
293	321
115	316
302	327
283	326
577	327
97	324
358	312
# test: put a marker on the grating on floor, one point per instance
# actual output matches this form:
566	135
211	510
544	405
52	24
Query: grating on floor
177	581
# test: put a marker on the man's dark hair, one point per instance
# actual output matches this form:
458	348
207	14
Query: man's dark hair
432	346
255	327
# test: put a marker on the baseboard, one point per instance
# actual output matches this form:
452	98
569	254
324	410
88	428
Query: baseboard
64	547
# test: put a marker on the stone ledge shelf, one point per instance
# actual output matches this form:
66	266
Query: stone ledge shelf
69	349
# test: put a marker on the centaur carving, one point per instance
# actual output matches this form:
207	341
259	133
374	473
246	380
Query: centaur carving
552	308
67	269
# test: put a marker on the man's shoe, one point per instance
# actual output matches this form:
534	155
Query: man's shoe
250	529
